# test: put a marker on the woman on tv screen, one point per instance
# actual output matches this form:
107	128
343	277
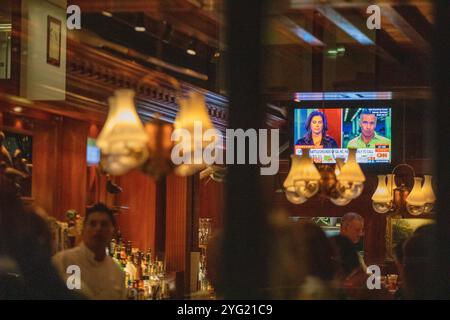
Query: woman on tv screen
316	132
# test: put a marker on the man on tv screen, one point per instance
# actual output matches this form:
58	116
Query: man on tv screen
368	138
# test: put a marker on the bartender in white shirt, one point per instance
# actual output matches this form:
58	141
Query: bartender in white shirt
101	277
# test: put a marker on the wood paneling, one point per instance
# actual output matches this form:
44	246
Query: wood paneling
44	167
211	202
137	223
178	206
71	166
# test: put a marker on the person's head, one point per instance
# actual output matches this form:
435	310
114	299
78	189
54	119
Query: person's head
99	224
346	256
368	123
26	243
352	226
316	249
417	255
426	229
316	123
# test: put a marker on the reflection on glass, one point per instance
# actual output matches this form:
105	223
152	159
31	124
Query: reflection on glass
5	39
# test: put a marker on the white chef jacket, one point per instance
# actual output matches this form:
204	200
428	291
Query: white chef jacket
100	280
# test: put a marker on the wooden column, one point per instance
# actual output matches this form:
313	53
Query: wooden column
211	202
179	210
45	174
137	223
71	166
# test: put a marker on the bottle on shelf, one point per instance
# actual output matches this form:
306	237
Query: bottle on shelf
130	269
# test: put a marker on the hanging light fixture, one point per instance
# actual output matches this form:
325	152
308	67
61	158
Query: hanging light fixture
303	179
428	193
390	198
382	198
122	141
159	148
341	184
193	111
350	180
415	202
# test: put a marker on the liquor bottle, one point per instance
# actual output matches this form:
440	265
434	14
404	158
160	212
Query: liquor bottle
131	291
128	248
141	290
112	248
138	265
130	269
119	238
146	280
117	259
143	262
148	257
123	253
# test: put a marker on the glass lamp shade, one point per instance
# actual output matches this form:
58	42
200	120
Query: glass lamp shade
123	140
294	198
303	177
382	199
288	183
193	119
415	202
427	190
391	184
351	178
340	201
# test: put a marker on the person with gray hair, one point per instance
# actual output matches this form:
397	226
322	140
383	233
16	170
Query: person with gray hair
352	227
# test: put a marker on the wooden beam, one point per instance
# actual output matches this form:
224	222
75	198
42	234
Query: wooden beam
293	28
414	17
310	4
128	6
404	26
344	24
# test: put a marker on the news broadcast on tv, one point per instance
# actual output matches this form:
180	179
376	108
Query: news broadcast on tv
329	133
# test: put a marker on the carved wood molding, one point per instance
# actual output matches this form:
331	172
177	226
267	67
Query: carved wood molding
94	75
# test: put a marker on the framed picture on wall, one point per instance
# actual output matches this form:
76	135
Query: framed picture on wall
399	229
53	41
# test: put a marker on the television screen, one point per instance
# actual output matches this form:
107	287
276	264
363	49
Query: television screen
329	133
93	152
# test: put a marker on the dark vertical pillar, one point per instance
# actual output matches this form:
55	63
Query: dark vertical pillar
441	281
244	234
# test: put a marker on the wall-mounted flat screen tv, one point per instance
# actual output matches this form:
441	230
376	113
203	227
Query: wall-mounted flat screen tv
329	133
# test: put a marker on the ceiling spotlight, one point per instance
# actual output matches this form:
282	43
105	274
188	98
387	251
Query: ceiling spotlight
192	47
18	109
107	14
140	26
216	54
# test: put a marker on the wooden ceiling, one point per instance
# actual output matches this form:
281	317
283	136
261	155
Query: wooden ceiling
294	27
407	23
